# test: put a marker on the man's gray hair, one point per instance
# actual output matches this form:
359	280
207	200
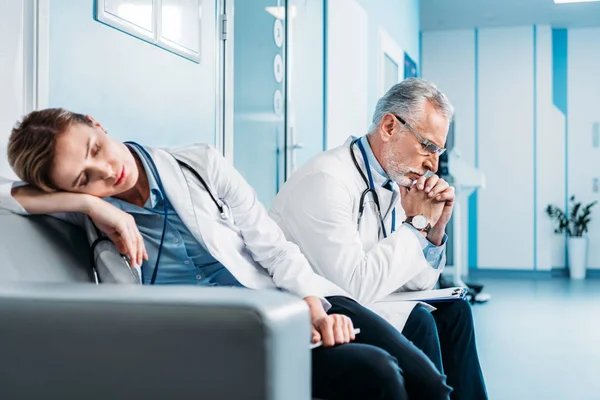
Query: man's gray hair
407	100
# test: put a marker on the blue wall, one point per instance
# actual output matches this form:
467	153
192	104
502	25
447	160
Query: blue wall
136	90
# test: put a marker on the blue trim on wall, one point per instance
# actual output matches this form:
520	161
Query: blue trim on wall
560	51
325	74
559	69
473	199
502	273
535	194
420	69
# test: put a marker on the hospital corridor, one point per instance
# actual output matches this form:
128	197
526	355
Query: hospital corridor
300	199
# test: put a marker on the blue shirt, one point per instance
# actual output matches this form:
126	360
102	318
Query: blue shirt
433	254
183	259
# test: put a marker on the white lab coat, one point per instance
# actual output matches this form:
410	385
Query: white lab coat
249	244
317	208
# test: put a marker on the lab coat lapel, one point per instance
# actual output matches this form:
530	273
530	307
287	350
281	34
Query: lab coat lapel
177	190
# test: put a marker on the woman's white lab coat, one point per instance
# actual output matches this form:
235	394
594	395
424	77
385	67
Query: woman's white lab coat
317	208
248	243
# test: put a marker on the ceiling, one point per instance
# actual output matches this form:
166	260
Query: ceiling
469	14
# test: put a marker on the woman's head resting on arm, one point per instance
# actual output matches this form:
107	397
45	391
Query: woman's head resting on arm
58	150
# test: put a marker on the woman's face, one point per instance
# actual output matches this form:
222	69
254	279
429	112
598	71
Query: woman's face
88	161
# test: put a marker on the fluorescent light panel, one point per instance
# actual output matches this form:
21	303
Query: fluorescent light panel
573	1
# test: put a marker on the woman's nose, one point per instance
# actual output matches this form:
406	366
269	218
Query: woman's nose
104	171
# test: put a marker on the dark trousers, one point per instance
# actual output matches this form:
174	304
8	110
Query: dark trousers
380	364
447	336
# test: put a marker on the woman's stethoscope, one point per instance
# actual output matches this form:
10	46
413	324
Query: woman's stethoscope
223	208
370	188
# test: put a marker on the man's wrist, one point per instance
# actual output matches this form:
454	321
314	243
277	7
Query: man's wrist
436	235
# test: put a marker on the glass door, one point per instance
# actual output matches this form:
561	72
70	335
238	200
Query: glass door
259	98
305	94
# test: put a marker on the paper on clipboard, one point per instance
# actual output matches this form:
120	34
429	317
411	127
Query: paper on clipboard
454	293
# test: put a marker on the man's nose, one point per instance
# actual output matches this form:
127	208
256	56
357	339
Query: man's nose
433	162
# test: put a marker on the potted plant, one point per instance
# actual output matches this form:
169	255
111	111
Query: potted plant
575	226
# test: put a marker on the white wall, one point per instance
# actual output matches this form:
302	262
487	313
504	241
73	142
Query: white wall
456	80
584	111
347	71
136	90
449	62
521	134
515	133
353	59
11	74
505	136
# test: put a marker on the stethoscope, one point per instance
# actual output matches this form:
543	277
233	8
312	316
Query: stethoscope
370	188
154	170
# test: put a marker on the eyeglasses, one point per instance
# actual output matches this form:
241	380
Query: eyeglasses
427	145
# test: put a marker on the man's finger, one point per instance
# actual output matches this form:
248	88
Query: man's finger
441	187
431	182
421	182
446	195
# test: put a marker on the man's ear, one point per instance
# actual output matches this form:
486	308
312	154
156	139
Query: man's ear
95	123
386	127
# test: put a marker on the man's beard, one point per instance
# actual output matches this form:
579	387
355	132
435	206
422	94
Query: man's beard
398	171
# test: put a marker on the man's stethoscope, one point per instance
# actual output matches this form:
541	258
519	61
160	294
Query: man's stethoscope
370	188
223	207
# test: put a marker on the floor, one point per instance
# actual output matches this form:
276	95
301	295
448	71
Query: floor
540	338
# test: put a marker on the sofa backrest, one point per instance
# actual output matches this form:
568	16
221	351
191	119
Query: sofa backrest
42	249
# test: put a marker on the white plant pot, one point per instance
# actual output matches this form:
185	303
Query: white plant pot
577	253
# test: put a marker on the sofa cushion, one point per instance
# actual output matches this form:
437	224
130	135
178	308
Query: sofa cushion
42	249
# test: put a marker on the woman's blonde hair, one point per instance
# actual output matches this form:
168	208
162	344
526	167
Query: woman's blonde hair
32	144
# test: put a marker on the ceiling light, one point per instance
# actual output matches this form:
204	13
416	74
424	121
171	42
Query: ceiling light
573	1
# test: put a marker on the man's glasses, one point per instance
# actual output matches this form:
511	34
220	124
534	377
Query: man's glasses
427	145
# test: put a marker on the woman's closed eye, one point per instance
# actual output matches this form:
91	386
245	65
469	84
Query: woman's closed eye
84	181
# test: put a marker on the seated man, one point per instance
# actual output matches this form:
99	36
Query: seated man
370	216
188	217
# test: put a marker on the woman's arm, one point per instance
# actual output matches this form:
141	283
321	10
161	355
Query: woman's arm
119	226
35	201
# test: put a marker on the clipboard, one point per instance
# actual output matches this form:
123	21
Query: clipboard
429	296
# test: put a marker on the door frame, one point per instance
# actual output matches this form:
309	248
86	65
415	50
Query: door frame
36	54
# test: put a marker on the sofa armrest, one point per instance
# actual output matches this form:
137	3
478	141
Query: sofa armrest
79	341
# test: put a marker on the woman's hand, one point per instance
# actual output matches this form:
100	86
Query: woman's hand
331	329
121	228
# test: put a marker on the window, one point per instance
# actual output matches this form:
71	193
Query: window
391	62
171	24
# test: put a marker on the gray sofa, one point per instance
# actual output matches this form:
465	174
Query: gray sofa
63	337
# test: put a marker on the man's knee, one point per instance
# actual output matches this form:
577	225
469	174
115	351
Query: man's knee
380	373
421	328
462	312
422	319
